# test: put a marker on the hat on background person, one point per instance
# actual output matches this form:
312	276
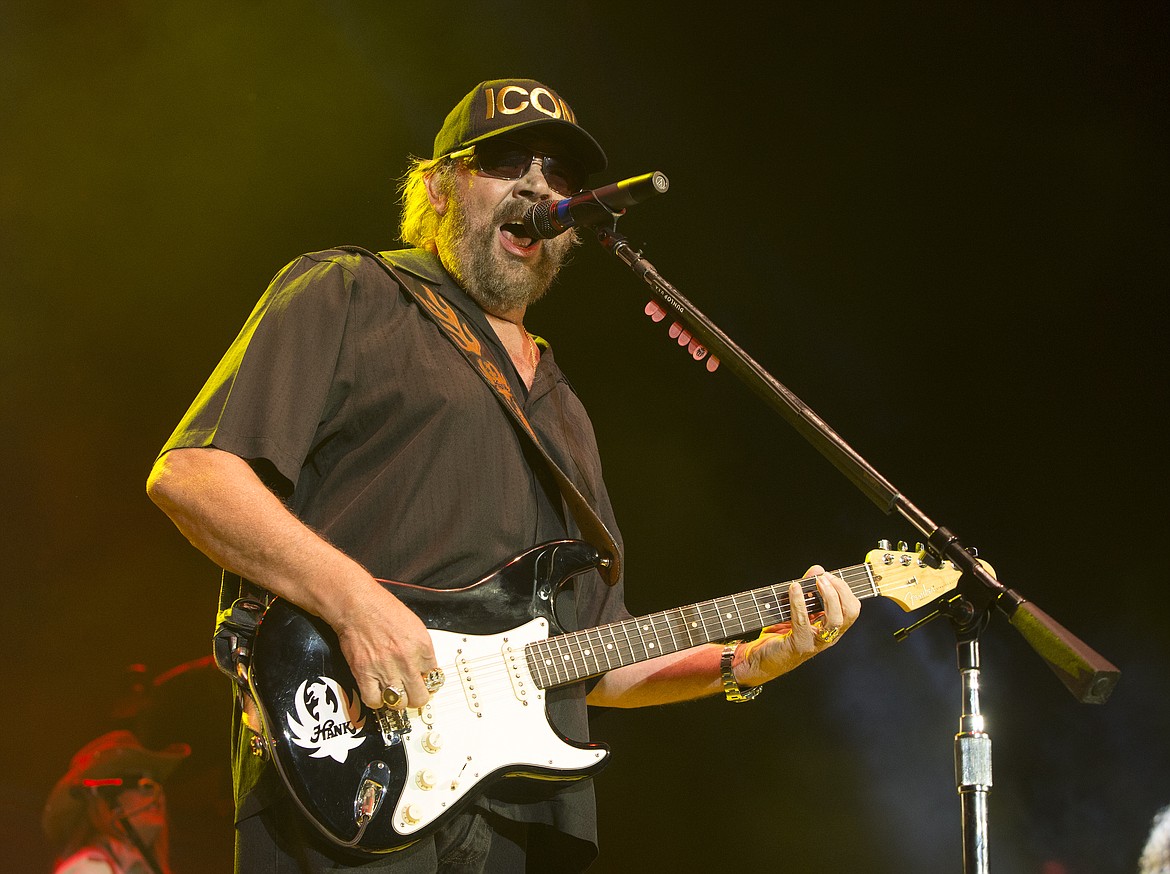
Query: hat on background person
114	754
503	106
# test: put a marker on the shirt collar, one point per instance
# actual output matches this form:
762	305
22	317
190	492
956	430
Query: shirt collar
426	266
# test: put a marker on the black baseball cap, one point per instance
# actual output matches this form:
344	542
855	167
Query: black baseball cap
502	106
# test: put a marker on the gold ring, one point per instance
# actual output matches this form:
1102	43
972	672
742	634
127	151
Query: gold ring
392	696
828	635
433	680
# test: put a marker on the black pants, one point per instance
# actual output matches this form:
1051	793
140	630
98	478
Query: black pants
278	840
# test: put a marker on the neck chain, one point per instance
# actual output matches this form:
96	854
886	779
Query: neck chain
528	346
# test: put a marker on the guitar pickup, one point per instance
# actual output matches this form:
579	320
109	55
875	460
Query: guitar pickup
516	663
467	679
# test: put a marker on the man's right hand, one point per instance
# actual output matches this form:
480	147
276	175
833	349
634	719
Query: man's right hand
223	508
386	646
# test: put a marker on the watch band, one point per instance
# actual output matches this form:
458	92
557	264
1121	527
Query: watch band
731	688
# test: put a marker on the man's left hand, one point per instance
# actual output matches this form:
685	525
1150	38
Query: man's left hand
780	648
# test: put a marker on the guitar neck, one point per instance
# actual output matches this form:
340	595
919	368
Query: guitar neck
578	655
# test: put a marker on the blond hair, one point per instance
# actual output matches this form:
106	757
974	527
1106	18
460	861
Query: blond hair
419	223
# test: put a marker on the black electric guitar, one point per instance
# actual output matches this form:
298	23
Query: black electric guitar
377	781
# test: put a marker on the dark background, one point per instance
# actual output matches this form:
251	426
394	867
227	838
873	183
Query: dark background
943	226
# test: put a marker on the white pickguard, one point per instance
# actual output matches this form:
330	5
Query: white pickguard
488	716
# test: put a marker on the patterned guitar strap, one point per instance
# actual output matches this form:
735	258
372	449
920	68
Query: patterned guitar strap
463	338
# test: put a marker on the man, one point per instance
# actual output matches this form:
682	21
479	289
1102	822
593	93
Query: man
107	814
344	437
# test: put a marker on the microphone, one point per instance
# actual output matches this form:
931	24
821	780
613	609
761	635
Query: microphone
549	219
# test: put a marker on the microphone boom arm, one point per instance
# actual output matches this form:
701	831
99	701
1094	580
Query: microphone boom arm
1087	675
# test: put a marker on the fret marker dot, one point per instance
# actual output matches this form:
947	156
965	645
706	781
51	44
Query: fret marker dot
728	615
609	646
651	646
586	652
566	658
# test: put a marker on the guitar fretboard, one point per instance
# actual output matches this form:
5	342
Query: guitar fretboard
578	655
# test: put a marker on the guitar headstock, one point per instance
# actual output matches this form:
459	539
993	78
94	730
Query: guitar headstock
908	579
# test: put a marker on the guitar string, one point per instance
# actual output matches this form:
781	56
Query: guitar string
493	684
710	608
660	624
664	623
490	684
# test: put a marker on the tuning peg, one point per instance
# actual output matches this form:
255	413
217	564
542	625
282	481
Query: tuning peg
903	546
918	547
885	544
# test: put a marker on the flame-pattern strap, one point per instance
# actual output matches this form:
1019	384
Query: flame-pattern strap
464	339
445	316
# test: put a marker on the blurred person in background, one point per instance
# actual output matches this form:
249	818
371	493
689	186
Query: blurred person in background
107	814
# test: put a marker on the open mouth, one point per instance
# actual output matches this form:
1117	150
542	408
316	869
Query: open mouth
515	237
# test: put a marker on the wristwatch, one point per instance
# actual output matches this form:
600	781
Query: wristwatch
731	687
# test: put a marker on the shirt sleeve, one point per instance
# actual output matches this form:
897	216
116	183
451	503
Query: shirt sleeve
280	381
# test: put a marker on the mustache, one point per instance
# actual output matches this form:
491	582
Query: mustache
510	213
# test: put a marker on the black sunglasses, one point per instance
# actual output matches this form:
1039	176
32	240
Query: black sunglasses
504	159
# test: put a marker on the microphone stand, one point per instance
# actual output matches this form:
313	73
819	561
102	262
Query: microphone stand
116	811
1089	677
136	839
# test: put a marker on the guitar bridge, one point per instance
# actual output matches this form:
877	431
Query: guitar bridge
393	725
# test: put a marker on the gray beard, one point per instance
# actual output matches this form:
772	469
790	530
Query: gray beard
494	281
